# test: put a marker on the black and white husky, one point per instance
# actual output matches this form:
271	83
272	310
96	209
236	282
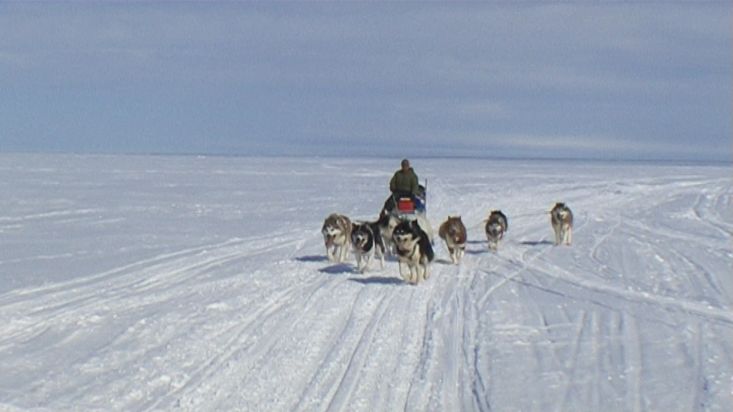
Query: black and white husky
388	222
414	250
496	227
367	242
561	218
336	232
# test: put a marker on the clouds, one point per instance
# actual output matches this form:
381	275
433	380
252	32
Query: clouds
294	77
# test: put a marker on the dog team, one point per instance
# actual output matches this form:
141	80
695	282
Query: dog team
412	245
411	240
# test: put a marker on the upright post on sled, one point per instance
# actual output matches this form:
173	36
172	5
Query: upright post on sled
426	196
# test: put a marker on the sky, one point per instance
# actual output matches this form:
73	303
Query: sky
608	80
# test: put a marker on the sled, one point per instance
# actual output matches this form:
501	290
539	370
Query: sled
407	207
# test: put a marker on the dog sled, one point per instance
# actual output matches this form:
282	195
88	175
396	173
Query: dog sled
407	207
404	207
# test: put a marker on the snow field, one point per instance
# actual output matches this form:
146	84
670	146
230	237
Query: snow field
194	283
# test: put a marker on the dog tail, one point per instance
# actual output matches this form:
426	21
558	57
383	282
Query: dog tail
429	251
378	239
427	246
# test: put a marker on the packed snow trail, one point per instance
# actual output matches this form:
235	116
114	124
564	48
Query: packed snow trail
184	283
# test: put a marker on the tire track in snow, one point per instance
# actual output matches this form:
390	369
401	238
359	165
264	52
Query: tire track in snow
237	339
633	360
323	385
448	364
699	401
702	209
127	292
603	239
570	371
417	387
349	378
557	273
647	235
520	265
446	376
65	318
46	215
76	305
132	268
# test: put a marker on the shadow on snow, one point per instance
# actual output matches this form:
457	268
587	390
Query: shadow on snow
312	258
536	242
338	268
378	280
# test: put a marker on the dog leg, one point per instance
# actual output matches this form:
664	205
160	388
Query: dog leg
367	260
343	252
405	277
413	275
569	236
358	261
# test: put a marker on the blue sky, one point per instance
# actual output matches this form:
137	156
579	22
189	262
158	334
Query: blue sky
573	79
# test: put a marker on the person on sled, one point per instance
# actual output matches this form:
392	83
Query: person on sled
404	183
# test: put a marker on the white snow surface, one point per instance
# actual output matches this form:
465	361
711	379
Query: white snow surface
201	284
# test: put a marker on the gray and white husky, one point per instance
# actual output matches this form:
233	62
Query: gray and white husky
496	226
561	218
336	232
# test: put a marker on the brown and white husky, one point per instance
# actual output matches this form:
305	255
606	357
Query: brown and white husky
453	233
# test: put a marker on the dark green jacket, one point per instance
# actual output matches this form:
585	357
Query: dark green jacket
404	182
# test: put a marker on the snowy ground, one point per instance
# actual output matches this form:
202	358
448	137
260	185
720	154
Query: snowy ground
200	284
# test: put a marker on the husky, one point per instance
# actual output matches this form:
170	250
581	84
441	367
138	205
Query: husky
367	242
496	226
336	232
453	233
561	218
386	225
413	250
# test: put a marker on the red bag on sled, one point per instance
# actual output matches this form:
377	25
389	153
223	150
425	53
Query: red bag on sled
405	204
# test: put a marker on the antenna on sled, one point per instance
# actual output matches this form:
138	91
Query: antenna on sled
426	195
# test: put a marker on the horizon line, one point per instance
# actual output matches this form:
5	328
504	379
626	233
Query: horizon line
375	156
